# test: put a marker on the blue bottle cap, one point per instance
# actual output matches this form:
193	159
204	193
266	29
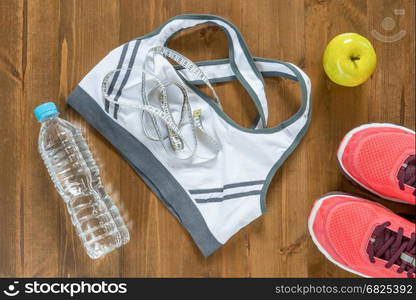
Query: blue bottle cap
45	110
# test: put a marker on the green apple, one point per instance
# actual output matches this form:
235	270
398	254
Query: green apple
349	59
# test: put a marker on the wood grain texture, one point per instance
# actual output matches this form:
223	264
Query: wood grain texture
47	46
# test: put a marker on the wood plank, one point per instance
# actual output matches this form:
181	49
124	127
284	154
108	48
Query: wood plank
48	47
12	154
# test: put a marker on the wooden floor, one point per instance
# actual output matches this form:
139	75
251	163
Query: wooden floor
47	46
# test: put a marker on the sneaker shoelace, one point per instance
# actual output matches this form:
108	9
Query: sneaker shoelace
393	247
407	173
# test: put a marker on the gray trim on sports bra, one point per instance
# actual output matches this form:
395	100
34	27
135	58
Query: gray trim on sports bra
155	175
190	206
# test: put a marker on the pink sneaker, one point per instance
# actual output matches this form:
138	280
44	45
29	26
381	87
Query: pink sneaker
363	237
381	158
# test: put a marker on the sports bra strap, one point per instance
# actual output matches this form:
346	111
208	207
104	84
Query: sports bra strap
240	59
219	71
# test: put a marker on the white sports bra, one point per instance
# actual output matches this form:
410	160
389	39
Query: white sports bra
210	172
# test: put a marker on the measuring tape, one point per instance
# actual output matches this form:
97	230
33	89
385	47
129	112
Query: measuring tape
178	143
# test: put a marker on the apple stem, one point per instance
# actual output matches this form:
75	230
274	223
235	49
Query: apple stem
354	58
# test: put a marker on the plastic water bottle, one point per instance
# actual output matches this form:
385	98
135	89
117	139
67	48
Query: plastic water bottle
77	179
